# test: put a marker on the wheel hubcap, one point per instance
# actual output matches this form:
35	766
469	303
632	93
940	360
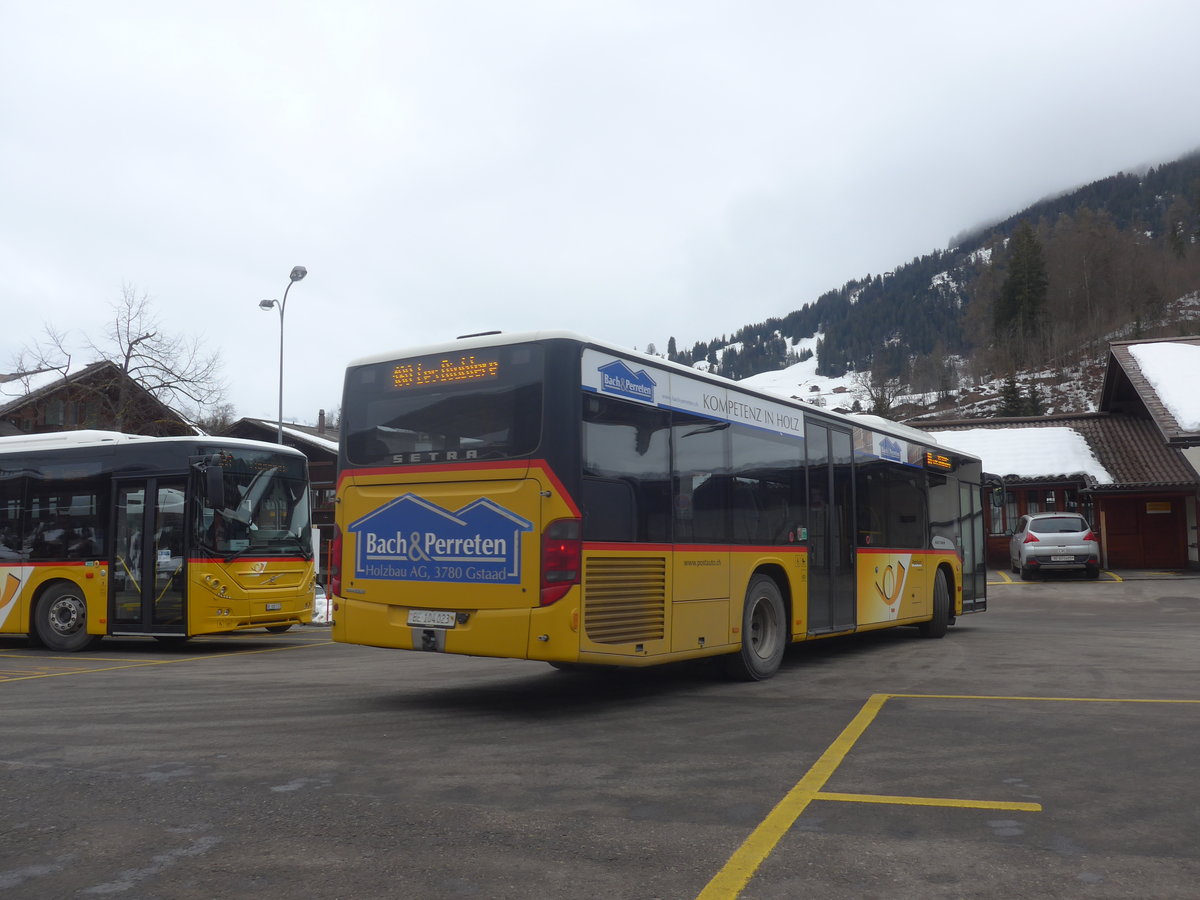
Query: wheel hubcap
762	629
67	615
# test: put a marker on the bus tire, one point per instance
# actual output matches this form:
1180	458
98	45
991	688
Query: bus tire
60	620
764	633
937	626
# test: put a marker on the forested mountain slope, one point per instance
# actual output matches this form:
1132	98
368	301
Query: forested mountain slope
1045	289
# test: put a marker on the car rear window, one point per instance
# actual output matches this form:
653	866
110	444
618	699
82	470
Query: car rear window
1058	525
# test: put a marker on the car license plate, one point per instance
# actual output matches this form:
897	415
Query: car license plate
1062	559
430	618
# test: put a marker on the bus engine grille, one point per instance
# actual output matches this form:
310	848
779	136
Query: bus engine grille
624	599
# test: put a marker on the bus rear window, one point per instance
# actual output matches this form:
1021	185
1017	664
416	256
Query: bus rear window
473	404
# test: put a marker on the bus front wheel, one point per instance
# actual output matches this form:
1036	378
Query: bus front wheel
60	620
938	625
764	633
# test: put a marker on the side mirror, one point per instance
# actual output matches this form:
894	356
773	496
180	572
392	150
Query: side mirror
214	482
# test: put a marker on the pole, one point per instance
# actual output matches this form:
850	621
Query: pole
279	425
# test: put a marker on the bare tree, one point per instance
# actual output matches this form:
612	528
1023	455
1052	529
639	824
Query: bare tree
878	392
174	369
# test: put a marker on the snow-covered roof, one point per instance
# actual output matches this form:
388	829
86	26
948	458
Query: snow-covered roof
1172	369
1028	453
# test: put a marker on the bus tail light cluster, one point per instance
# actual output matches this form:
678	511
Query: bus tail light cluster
335	564
562	558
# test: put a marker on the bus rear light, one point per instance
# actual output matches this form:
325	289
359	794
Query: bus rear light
562	554
335	563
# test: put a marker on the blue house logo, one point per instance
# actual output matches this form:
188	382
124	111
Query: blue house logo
411	539
617	378
890	449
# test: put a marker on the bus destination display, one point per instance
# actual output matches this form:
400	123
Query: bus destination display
938	461
425	372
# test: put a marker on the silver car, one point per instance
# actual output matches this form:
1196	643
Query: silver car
1054	541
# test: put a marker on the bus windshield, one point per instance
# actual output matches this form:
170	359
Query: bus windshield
479	404
263	509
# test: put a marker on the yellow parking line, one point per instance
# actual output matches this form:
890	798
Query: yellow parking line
1039	699
728	883
929	801
747	858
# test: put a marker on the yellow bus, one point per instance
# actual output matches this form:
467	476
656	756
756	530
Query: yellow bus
550	497
103	533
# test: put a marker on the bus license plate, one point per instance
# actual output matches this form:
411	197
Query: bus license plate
1062	559
430	618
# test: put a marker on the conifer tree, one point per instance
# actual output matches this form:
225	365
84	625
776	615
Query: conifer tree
1034	405
1022	303
1011	401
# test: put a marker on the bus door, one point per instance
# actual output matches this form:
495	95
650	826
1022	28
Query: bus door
146	572
831	582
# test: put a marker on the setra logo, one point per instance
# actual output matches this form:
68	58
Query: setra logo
617	378
411	539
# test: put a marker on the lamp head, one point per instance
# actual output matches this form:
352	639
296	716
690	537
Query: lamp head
298	272
266	304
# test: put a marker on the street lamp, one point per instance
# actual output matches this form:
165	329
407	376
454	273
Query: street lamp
298	272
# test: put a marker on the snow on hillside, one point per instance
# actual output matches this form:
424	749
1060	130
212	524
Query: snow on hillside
801	381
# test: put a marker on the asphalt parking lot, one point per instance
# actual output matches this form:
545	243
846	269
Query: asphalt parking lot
1042	749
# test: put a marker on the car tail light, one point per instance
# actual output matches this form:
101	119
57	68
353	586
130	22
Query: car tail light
1091	536
1030	538
562	552
335	563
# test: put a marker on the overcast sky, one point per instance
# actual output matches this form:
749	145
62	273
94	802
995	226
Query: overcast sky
630	170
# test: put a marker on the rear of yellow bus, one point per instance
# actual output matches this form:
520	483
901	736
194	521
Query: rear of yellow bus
455	531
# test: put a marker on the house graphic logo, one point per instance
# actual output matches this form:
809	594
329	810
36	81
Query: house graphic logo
617	378
411	539
890	449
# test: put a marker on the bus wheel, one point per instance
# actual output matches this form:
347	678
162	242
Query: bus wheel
764	633
936	627
60	620
278	629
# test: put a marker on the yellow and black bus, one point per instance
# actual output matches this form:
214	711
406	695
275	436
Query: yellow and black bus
103	533
546	496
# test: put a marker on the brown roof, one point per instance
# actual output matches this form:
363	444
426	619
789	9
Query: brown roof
1126	389
1130	448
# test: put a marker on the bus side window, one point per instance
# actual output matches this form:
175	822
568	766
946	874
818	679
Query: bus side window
610	510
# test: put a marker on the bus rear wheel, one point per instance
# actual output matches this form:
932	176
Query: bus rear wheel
764	633
60	620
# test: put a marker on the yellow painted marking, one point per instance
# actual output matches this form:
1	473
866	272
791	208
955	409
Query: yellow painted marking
1005	578
157	662
747	858
1036	699
1114	575
728	883
929	801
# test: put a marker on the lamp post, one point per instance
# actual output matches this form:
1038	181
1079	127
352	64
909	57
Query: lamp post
298	272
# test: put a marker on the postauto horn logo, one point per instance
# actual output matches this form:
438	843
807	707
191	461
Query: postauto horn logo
617	378
411	539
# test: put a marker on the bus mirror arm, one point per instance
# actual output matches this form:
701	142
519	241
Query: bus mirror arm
214	483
